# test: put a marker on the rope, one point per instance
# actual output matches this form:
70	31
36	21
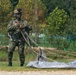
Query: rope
25	39
31	39
28	42
30	45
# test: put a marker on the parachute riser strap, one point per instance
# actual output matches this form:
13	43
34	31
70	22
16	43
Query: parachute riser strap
28	41
31	39
25	39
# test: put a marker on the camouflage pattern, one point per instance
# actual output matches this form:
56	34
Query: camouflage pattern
17	11
16	39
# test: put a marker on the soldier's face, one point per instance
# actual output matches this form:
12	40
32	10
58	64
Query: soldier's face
17	16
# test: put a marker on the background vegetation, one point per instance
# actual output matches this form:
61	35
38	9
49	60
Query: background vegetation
54	22
52	55
54	18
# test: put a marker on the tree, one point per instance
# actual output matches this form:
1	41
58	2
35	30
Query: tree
14	3
28	7
56	21
52	4
68	5
72	9
5	10
71	27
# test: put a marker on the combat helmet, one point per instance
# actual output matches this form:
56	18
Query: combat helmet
19	10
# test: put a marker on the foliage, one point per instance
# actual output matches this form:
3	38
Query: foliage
60	16
68	5
61	29
4	12
14	2
28	8
72	9
56	21
71	27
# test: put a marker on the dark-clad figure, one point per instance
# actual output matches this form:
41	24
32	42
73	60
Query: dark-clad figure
14	28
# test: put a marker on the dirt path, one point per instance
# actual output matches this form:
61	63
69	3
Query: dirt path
62	72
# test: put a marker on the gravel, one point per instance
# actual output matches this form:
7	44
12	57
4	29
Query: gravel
58	72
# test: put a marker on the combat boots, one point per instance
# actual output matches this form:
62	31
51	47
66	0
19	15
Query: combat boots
21	64
22	61
10	64
9	61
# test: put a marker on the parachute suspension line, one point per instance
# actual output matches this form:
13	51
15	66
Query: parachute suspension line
25	39
31	39
33	52
27	54
28	43
49	59
33	42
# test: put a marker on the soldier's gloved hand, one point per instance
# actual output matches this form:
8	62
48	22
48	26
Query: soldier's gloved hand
21	27
16	26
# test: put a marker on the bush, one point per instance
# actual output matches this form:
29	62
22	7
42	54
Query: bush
63	44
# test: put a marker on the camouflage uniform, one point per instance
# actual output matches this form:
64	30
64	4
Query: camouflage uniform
16	39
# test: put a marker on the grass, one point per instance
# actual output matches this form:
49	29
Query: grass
53	55
16	67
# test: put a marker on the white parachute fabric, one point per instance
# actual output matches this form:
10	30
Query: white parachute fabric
42	63
55	64
41	56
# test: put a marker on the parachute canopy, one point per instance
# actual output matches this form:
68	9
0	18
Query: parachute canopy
42	63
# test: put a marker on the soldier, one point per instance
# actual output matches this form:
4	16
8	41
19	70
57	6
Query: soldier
14	29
